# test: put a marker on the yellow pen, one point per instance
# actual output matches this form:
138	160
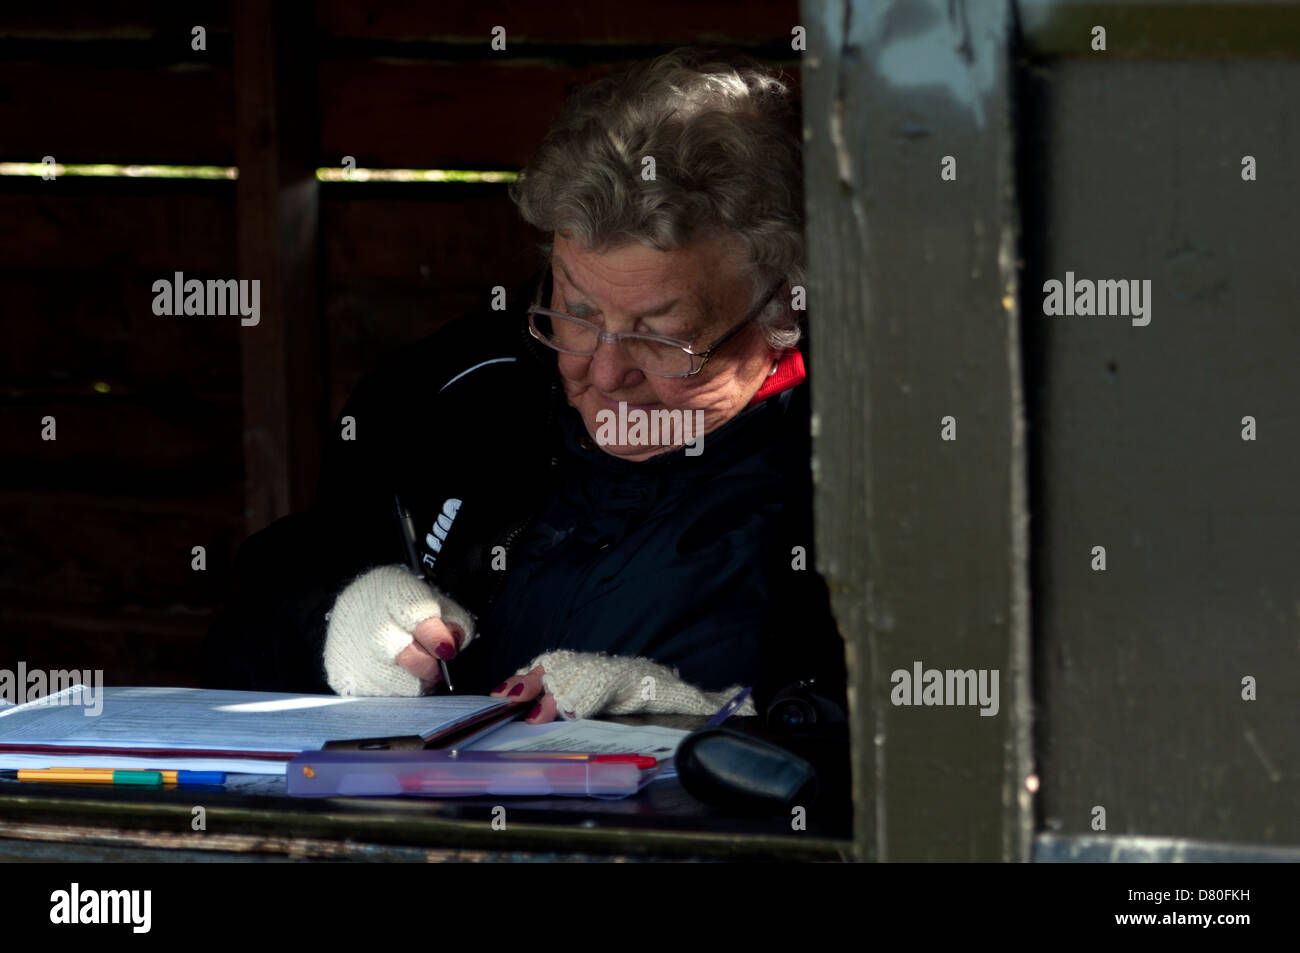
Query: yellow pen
87	776
169	776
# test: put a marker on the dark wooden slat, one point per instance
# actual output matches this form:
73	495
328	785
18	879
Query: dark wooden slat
487	115
123	19
63	551
413	235
156	226
481	114
577	21
174	445
78	259
132	646
401	261
405	114
70	329
83	113
284	395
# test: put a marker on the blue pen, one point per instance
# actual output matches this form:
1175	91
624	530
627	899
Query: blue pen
197	777
726	710
172	776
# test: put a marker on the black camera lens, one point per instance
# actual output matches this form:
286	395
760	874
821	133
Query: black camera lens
794	713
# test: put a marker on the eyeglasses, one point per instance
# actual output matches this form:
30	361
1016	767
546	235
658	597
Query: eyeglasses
652	353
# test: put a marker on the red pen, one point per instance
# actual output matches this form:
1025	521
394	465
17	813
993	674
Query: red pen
640	760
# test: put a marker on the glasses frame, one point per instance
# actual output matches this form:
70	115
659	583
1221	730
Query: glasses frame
616	337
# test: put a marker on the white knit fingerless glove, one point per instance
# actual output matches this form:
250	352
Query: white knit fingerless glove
373	619
586	684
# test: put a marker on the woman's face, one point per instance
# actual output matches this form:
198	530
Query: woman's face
695	294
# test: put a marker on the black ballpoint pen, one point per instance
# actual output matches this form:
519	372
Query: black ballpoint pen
407	526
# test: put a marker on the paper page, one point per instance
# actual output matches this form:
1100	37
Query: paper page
249	721
590	737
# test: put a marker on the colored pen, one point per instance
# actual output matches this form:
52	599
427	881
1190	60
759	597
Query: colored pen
725	711
169	776
407	526
150	779
640	760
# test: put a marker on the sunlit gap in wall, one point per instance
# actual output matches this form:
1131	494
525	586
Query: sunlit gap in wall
58	170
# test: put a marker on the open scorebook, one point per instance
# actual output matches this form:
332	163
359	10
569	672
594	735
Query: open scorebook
192	729
202	729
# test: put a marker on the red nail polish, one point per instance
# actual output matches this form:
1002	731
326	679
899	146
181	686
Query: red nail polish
518	689
537	710
499	688
444	651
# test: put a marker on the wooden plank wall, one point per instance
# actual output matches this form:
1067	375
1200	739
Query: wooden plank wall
1132	169
98	525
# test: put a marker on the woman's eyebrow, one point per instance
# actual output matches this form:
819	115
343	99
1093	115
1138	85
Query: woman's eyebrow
653	312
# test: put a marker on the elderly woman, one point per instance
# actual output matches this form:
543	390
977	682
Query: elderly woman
610	476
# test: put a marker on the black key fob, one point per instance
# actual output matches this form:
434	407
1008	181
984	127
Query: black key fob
744	773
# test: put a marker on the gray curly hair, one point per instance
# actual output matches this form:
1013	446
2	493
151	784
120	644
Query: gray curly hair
727	160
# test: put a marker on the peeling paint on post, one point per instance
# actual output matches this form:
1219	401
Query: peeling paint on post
913	312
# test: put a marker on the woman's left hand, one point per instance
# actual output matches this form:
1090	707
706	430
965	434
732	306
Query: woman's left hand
531	682
581	685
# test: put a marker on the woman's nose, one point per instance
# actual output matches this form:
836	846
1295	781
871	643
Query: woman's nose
611	370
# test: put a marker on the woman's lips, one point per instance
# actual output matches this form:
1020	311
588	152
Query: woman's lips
613	405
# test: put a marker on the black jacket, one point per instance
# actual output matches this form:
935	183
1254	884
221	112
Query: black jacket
689	561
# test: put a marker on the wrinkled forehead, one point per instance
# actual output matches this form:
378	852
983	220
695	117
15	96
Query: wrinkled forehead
704	278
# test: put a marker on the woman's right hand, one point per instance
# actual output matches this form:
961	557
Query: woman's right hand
432	639
386	631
